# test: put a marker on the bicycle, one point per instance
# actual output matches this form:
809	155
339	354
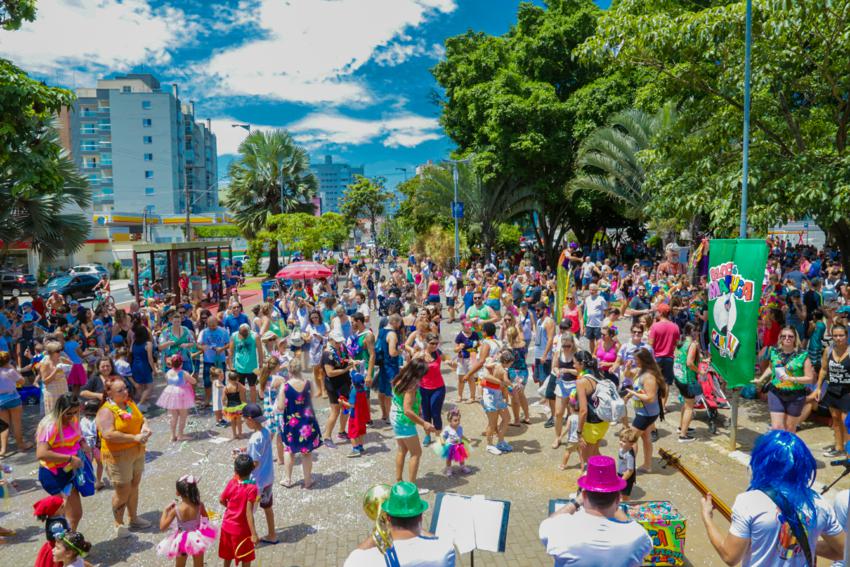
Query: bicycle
103	300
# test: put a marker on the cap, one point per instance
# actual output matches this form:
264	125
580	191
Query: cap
253	411
663	309
269	336
47	506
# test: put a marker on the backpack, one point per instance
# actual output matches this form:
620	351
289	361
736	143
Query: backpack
381	348
606	401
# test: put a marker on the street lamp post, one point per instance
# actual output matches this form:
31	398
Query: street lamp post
454	214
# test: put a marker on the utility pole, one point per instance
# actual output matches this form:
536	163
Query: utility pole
454	214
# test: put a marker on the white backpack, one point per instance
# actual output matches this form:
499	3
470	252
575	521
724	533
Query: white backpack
606	401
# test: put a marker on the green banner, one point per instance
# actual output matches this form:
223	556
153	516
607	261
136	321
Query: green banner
735	277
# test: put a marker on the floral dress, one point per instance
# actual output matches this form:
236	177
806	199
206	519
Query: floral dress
300	429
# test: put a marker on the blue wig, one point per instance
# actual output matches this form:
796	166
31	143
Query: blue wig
782	462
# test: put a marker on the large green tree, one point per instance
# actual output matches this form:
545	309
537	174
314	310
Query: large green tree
305	232
365	197
799	157
272	176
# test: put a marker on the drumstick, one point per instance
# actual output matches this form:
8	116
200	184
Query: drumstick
719	504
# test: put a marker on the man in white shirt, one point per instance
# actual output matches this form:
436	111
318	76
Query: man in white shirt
414	548
594	313
596	531
364	306
450	291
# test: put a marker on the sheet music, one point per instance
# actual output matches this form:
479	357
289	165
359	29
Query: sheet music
456	522
487	520
472	522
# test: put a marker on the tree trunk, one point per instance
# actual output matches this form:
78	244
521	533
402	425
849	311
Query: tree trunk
274	263
373	230
840	232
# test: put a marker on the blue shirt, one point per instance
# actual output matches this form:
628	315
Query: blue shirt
214	338
232	323
260	451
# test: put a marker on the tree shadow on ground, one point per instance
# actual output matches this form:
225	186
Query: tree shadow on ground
528	447
295	533
321	480
114	550
442	483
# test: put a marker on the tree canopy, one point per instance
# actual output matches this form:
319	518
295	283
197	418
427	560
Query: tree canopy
305	232
365	197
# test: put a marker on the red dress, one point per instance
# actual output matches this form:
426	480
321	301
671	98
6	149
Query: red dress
360	415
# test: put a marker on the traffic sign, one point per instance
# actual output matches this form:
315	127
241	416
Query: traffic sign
457	209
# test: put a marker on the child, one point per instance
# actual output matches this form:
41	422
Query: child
74	351
260	451
217	379
178	397
272	377
124	370
454	444
234	396
51	511
626	460
238	535
70	549
193	534
89	429
358	404
571	433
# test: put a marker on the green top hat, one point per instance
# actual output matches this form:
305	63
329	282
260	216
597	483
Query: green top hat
404	501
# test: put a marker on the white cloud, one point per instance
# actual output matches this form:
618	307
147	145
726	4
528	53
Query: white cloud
397	53
97	36
320	130
311	48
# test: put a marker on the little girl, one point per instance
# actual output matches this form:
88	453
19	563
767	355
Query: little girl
571	433
89	429
70	550
178	397
74	351
454	445
193	533
234	401
217	379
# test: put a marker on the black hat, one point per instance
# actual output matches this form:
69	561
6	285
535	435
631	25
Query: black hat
253	411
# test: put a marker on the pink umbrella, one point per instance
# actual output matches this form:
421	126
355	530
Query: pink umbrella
304	271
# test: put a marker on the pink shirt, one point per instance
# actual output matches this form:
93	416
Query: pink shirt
664	335
68	443
433	378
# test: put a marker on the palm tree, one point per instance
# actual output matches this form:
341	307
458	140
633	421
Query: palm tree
272	177
609	159
47	215
486	203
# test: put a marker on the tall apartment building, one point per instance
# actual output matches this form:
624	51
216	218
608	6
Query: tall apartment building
333	178
139	147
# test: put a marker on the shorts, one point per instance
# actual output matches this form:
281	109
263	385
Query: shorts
404	430
630	482
266	497
518	376
688	391
336	387
789	403
665	363
10	400
492	400
450	301
55	482
122	466
563	388
839	400
236	547
593	332
206	372
642	422
592	433
248	377
463	365
433	299
541	369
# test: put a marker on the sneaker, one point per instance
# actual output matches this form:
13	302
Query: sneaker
448	471
504	447
330	444
687	438
424	491
426	441
340	439
654	435
493	450
122	532
354	453
342	435
549	423
832	452
139	523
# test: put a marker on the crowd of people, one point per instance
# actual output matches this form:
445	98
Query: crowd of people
627	342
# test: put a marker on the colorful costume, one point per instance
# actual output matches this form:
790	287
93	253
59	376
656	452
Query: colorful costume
178	393
358	403
233	404
454	447
299	427
189	537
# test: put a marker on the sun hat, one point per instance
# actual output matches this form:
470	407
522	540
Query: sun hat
601	476
336	336
404	501
269	336
296	340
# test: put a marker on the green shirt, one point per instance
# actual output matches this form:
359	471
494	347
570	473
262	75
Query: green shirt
397	415
245	353
683	373
794	364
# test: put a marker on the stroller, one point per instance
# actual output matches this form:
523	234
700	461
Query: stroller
712	397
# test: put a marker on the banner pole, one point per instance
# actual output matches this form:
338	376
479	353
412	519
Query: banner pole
733	433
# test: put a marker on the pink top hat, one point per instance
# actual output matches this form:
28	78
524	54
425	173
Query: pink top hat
601	476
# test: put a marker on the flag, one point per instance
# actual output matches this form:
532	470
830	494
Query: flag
735	277
563	283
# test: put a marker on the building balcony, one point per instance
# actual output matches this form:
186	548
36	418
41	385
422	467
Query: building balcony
105	127
105	144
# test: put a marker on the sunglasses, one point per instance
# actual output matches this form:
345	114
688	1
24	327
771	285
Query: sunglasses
476	298
787	337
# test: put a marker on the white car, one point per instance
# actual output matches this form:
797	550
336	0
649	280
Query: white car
90	269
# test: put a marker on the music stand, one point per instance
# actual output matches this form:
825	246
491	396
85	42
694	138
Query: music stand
471	522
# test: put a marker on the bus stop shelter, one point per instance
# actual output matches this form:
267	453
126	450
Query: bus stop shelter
165	262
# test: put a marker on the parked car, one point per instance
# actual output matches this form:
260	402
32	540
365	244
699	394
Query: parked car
71	286
16	283
91	269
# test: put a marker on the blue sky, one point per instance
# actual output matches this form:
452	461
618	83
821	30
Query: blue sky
349	78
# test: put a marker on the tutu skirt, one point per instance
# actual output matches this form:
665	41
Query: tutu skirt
77	375
455	453
177	397
230	411
191	543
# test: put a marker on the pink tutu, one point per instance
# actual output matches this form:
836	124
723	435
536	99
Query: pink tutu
177	397
191	543
77	375
458	453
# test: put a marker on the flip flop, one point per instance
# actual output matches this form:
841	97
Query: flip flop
269	542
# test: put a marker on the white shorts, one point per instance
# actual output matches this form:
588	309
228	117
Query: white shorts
464	364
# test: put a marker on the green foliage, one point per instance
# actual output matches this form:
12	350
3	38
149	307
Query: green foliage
271	177
255	250
306	233
439	243
365	197
217	231
397	234
508	237
14	12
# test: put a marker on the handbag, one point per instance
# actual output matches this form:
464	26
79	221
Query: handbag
84	476
541	391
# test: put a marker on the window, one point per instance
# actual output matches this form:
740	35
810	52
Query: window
147	139
126	90
106	159
89	146
146	105
148	157
89	163
92	178
149	191
88	129
148	174
147	122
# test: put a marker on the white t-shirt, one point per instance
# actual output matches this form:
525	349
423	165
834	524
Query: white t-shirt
582	539
595	310
587	269
755	517
419	551
450	288
572	428
840	509
364	309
